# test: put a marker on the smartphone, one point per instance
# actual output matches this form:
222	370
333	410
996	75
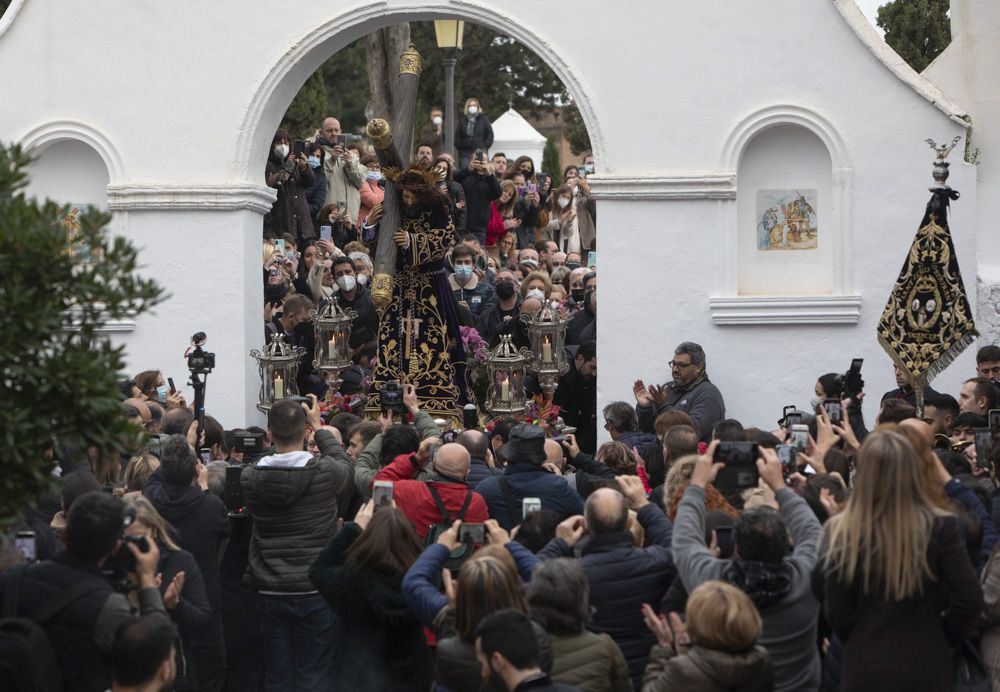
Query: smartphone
170	381
994	418
529	505
326	233
740	471
298	147
232	496
382	494
799	437
24	543
206	455
532	187
274	272
342	141
724	541
541	178
833	410
787	455
472	533
470	417
279	247
592	259
984	448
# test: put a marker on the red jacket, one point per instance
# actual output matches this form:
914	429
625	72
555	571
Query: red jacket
494	227
414	499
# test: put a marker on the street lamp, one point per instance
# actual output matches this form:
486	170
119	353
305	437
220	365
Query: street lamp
449	39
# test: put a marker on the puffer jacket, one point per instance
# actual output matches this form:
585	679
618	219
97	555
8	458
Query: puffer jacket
294	510
708	670
622	577
592	662
457	669
528	480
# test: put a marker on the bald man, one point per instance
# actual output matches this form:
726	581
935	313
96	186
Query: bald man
448	487
143	409
477	444
344	173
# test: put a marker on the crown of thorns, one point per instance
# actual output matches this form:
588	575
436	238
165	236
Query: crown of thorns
414	178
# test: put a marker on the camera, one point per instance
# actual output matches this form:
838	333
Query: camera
155	444
851	384
123	563
200	362
391	397
740	471
248	442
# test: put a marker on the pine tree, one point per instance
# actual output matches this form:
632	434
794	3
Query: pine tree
308	108
916	29
63	278
550	159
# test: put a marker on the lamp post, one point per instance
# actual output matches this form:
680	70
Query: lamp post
449	39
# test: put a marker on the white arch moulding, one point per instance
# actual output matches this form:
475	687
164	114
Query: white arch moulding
306	54
842	307
8	17
36	139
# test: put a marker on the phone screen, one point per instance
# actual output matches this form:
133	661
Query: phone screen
342	141
206	455
279	247
984	448
592	259
24	543
833	410
382	494
472	533
529	505
786	454
299	147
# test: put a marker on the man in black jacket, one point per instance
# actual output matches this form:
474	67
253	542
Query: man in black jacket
353	296
179	491
481	188
81	633
576	396
621	576
292	497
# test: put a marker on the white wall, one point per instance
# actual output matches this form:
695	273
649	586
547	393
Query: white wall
69	172
184	98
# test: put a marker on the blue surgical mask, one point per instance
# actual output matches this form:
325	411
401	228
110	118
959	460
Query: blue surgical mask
374	175
161	393
313	161
463	271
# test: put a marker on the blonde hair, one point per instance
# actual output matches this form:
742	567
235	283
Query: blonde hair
269	250
506	209
486	584
147	514
883	532
720	616
537	276
139	469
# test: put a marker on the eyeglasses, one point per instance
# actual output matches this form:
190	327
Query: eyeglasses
607	424
674	364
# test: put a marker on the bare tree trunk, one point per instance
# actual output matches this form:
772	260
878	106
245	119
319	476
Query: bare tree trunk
382	50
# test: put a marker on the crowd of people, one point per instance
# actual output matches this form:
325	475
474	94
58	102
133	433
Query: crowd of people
690	551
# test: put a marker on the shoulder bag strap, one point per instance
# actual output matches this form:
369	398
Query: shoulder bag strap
465	505
440	505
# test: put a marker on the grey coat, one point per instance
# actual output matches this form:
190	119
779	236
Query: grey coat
790	624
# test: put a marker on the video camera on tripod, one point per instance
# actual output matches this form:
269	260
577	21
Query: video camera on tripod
200	363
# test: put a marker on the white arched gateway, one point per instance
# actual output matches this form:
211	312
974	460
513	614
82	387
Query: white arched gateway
180	101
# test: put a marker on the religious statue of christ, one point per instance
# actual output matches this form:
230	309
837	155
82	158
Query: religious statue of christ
419	341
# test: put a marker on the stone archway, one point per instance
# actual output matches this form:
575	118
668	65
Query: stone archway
287	74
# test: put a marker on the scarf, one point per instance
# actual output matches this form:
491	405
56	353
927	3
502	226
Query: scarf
765	583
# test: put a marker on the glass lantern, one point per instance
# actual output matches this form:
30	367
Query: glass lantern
507	367
547	333
333	335
278	366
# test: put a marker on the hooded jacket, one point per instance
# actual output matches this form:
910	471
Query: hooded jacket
293	502
201	522
386	649
528	480
709	670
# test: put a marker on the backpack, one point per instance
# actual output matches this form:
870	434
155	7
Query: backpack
460	554
27	660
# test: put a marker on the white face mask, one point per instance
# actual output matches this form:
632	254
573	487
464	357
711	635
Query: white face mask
815	403
437	120
281	150
346	283
563	202
535	293
473	110
362	279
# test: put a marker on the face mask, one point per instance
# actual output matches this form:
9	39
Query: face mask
437	120
313	161
463	271
374	175
161	393
535	293
346	283
530	261
505	290
362	279
573	265
563	202
815	403
587	294
281	150
473	110
577	294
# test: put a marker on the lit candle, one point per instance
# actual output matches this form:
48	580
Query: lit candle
546	351
332	347
505	389
279	387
